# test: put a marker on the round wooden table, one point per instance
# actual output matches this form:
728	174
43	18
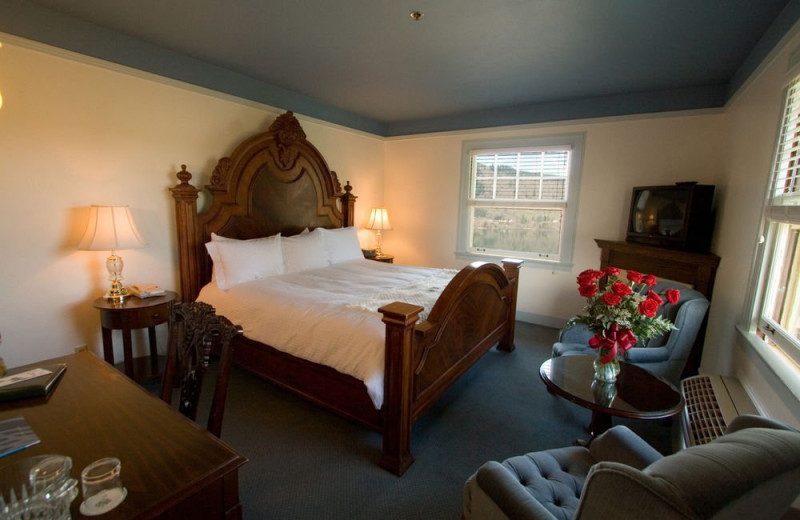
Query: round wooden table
636	394
134	313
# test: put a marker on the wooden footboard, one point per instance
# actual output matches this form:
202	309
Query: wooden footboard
475	312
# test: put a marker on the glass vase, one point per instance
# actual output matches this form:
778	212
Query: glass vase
606	372
604	392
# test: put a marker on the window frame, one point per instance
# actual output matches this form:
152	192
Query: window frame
576	142
761	331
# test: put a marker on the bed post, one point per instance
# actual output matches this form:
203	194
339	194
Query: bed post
348	205
398	373
511	267
185	196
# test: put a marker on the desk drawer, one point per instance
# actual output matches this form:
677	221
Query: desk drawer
135	318
151	317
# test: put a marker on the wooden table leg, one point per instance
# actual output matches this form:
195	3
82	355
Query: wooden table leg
600	423
108	346
127	352
153	351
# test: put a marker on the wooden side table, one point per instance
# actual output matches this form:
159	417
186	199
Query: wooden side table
389	259
133	313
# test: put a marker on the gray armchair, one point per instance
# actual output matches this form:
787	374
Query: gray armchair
753	471
665	355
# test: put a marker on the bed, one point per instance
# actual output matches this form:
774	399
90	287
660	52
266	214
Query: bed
278	182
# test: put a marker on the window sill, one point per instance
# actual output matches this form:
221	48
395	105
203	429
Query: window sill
781	366
529	262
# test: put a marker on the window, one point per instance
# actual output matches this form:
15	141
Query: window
778	295
519	198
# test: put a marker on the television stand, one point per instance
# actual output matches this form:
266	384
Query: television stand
698	270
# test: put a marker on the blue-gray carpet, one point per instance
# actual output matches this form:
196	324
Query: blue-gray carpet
306	463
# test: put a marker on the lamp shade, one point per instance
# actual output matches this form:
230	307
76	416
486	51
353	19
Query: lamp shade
110	228
379	219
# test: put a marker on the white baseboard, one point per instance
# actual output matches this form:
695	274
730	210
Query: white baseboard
538	319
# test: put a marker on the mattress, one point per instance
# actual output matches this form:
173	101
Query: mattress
329	315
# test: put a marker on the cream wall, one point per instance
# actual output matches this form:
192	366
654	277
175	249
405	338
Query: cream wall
423	178
753	121
73	134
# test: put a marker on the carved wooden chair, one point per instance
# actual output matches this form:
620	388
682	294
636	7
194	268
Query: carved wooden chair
194	329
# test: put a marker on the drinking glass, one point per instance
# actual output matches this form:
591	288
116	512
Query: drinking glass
49	470
27	507
50	481
101	483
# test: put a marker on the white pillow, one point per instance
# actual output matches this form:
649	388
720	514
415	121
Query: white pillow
238	261
219	238
342	244
304	251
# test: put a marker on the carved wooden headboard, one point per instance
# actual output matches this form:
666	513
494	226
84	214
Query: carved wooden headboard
273	182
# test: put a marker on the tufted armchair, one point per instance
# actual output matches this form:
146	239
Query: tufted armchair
753	471
665	355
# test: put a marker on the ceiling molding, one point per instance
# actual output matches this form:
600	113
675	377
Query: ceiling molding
50	27
33	22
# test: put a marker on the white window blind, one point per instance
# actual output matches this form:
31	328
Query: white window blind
531	175
786	174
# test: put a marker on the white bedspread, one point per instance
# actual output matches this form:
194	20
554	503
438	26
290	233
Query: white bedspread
329	315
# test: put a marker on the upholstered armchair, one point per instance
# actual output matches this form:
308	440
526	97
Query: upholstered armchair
664	355
753	471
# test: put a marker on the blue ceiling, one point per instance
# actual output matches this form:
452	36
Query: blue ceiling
368	65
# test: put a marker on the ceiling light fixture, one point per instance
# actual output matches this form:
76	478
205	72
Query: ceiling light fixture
416	15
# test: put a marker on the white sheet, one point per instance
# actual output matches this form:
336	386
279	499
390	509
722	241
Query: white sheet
329	315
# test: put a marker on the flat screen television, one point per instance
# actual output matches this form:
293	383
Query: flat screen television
675	217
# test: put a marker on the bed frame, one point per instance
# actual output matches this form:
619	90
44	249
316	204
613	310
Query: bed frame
277	181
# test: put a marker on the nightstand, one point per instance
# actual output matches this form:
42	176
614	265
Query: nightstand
134	313
389	259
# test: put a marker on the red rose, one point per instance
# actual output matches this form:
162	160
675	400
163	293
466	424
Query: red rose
673	295
612	271
635	276
587	291
588	277
621	289
611	299
648	308
652	295
649	280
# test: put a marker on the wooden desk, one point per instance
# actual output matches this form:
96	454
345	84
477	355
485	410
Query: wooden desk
638	393
134	313
172	467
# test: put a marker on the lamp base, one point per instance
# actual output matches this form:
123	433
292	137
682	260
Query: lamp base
116	293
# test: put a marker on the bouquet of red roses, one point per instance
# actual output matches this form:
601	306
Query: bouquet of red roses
621	313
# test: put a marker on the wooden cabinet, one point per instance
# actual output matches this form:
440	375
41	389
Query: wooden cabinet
696	269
